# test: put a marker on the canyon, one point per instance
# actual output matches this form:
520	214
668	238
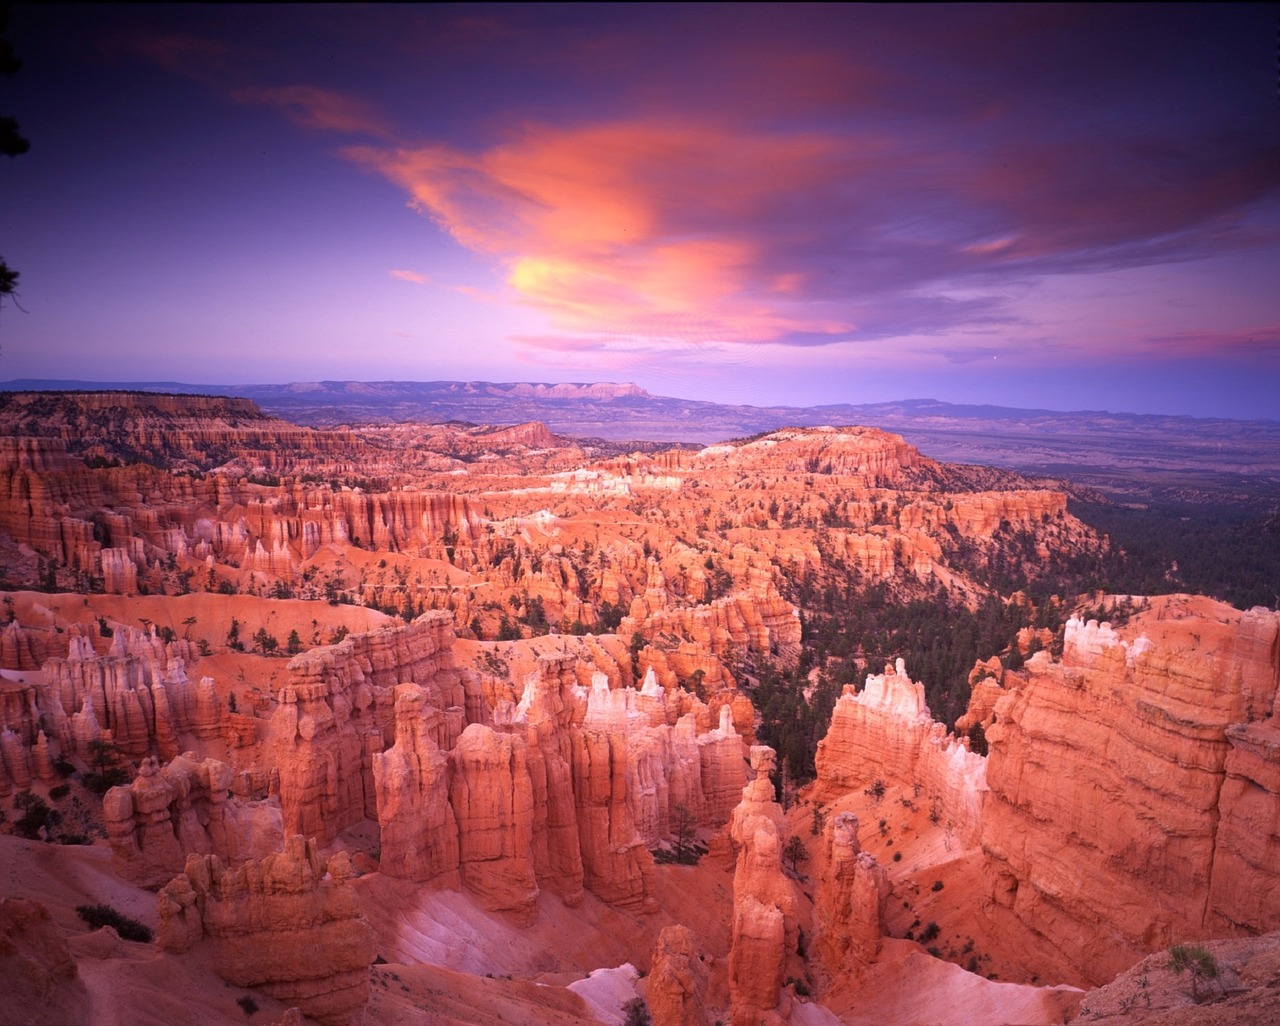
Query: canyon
416	722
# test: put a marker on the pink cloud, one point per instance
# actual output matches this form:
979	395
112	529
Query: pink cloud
637	228
320	109
1247	344
410	276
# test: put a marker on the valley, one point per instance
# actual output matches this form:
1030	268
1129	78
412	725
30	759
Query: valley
391	721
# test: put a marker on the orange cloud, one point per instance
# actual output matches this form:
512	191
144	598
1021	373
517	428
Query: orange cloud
633	228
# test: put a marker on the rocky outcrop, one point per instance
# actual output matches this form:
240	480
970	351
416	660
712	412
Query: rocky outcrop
492	797
549	706
288	924
676	985
885	732
1133	787
850	903
337	711
185	807
616	865
723	768
139	692
765	929
419	834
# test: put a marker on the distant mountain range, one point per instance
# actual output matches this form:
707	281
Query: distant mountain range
1087	446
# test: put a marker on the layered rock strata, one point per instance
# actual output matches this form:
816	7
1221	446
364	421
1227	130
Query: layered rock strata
1140	768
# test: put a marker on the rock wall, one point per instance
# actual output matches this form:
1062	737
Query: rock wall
885	732
337	711
1133	787
492	797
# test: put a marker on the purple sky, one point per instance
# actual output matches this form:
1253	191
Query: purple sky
1062	207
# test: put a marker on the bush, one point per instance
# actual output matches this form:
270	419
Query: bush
98	916
637	1013
1196	960
59	791
247	1004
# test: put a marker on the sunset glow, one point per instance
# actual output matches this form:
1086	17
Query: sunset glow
1063	207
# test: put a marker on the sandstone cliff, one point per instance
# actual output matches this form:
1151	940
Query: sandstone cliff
1135	769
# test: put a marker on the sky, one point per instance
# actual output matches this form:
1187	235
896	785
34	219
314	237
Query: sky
1062	207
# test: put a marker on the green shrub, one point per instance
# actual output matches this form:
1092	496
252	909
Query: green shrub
98	916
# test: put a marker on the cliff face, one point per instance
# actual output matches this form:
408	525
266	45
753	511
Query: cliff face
885	732
337	711
1133	788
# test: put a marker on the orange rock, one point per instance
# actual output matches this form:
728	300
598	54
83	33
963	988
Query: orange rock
677	981
288	923
419	834
850	903
765	928
492	797
1150	822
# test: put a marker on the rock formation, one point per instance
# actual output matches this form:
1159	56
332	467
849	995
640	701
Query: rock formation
765	930
185	807
850	903
492	796
287	923
885	732
1127	783
676	986
419	831
337	711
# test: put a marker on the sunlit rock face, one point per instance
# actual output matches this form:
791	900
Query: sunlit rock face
1133	787
885	732
337	711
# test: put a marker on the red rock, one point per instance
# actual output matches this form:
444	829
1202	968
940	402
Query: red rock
849	907
288	923
419	832
492	797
